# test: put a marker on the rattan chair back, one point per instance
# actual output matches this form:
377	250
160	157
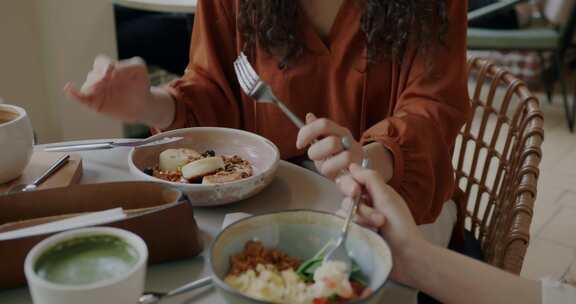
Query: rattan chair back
496	158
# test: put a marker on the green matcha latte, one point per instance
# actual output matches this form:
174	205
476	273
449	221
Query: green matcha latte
86	260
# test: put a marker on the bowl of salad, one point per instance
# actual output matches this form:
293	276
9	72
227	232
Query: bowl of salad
278	258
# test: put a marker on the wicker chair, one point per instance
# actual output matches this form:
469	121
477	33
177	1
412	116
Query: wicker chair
496	158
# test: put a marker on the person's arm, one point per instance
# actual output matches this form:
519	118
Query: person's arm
203	96
381	159
162	109
208	94
326	149
431	106
453	278
445	275
122	90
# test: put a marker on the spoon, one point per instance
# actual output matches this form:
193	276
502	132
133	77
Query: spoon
42	178
338	251
156	297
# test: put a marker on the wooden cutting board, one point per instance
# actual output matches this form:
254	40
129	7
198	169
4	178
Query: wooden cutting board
40	162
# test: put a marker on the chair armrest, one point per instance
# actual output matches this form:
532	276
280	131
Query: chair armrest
492	9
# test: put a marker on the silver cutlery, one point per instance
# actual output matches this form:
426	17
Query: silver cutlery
156	297
337	251
253	86
42	178
111	144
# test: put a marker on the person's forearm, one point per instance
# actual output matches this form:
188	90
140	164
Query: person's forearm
381	160
161	111
452	278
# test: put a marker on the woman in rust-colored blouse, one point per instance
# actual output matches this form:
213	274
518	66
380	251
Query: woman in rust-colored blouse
390	74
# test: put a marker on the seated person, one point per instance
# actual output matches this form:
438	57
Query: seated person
387	85
443	274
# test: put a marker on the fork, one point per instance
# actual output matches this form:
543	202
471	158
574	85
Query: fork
156	297
338	251
256	88
253	86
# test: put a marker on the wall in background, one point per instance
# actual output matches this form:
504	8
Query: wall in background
22	75
73	32
44	44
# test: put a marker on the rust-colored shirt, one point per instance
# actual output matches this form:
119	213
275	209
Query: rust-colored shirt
413	109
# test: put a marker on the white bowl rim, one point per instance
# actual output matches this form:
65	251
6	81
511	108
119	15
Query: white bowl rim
131	238
218	281
174	132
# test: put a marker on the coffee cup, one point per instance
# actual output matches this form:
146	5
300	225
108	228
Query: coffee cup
88	266
16	140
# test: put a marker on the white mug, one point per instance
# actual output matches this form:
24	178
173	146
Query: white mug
123	289
16	142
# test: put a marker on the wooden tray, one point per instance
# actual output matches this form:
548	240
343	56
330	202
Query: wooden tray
149	207
40	161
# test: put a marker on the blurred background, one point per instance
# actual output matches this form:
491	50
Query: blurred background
45	43
49	42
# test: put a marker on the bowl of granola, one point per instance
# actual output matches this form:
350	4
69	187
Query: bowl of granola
212	166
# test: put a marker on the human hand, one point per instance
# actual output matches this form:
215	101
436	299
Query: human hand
384	210
326	149
120	90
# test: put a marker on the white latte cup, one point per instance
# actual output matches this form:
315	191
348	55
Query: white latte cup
125	288
16	142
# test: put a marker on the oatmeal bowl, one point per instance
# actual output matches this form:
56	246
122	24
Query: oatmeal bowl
212	166
278	258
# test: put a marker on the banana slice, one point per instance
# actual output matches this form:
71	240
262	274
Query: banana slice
172	159
221	178
236	169
202	167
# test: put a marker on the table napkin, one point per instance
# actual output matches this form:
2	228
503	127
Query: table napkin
91	219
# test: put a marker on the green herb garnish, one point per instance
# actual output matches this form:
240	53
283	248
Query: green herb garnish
308	268
333	298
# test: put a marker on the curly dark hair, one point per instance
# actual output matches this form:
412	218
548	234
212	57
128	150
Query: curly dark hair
388	26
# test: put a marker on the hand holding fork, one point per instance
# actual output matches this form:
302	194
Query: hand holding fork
326	152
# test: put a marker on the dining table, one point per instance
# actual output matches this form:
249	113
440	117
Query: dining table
294	187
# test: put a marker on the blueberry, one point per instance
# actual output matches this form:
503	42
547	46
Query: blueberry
149	171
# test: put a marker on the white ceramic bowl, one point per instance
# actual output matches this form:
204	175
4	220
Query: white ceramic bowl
16	140
260	152
124	289
301	234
